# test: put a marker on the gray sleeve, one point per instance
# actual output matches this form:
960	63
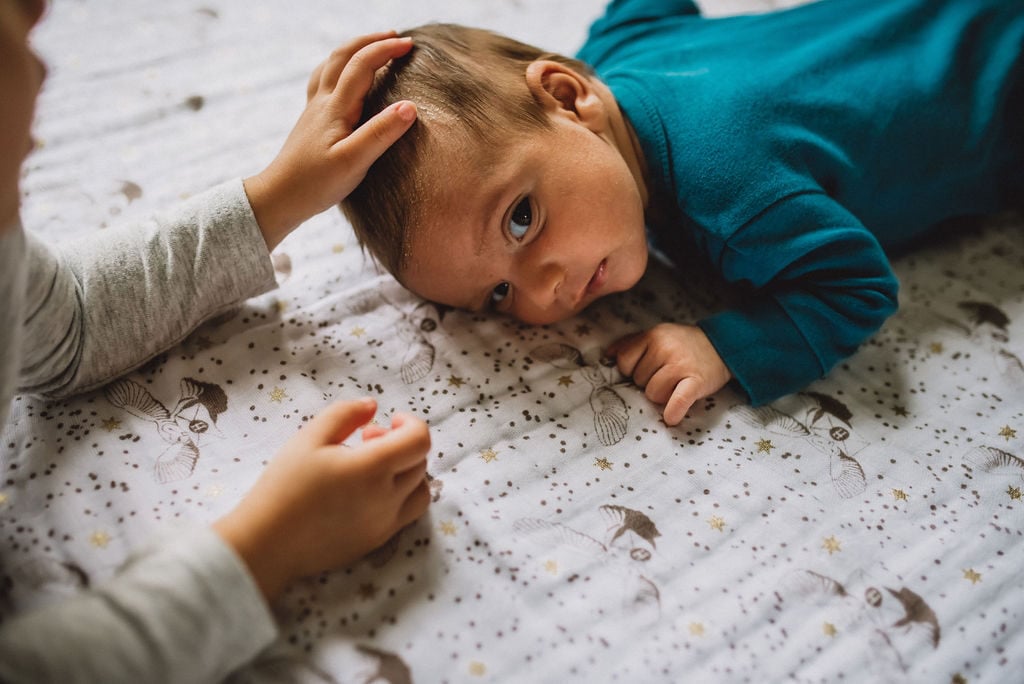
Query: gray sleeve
187	611
105	304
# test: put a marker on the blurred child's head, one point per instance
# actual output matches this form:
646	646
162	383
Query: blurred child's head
512	190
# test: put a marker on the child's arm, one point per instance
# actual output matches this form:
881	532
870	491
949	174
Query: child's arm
194	607
110	302
819	285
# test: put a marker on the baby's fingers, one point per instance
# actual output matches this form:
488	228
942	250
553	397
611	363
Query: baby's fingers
627	352
683	397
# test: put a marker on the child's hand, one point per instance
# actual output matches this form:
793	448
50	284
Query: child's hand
676	364
325	156
320	505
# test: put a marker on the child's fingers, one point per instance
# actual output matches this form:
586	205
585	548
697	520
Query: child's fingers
357	75
339	58
374	137
339	420
372	431
415	504
686	393
314	81
408	480
402	447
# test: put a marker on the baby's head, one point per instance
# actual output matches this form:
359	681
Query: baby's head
519	187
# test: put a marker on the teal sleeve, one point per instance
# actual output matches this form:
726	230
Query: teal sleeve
606	34
820	286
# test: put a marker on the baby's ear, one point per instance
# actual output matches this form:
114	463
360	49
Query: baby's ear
562	90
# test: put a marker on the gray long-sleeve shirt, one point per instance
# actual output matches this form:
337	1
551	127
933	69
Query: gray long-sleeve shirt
187	609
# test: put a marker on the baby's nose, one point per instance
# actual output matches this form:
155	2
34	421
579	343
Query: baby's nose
542	284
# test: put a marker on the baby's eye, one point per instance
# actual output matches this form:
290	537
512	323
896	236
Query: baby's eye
499	292
522	217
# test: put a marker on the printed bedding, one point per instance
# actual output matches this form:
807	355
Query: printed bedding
868	529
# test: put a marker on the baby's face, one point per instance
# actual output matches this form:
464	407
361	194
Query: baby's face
548	225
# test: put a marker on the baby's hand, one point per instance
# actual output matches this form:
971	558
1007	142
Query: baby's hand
326	156
320	505
676	364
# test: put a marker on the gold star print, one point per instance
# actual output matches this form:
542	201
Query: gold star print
455	381
829	629
448	528
696	629
900	495
1007	433
716	523
277	394
970	574
489	455
959	679
357	331
551	566
477	669
99	539
367	592
3	498
603	463
111	424
936	347
565	380
765	446
280	306
338	248
831	544
1013	492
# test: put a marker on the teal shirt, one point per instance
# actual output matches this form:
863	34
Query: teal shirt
795	147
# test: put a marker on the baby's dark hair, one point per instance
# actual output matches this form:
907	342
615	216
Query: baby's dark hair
470	80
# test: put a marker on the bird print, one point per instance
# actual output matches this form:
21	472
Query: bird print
196	411
826	427
416	326
892	625
611	414
995	461
640	594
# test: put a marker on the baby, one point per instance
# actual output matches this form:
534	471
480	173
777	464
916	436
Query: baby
789	149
